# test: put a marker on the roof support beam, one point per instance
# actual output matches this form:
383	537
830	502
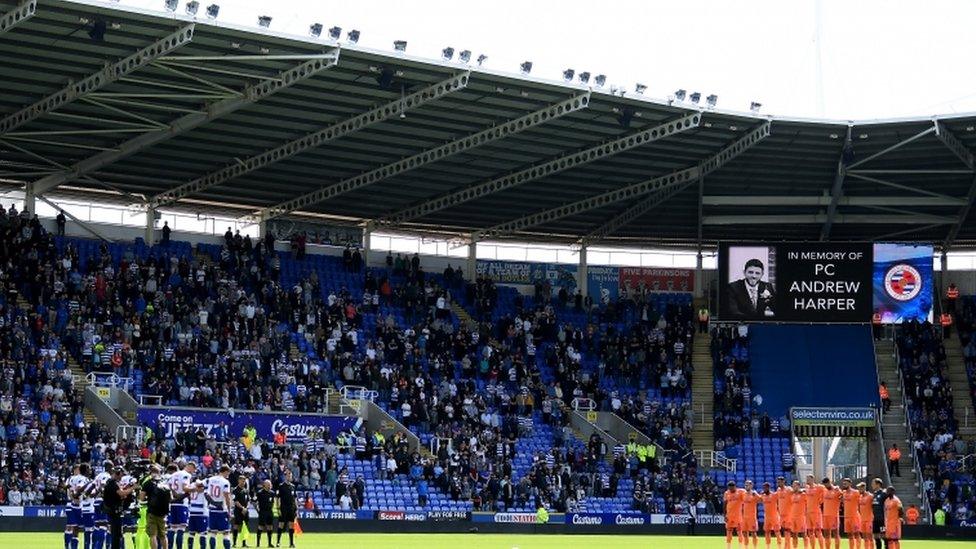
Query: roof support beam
969	160
896	146
316	139
660	186
894	185
838	187
98	80
83	224
18	15
909	172
824	200
572	160
251	94
640	209
452	148
816	219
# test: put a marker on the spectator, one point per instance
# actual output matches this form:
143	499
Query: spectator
894	458
885	397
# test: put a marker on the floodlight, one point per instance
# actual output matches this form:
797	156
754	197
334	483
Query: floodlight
680	95
568	74
171	5
212	11
481	59
695	97
335	33
464	56
400	45
640	88
447	53
192	6
600	80
755	106
315	29
584	77
711	100
353	36
526	67
264	21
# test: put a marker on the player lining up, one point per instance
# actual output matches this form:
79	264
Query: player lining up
75	485
198	519
96	491
180	484
218	500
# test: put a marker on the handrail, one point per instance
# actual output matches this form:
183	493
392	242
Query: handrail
357	392
922	495
149	400
130	432
583	404
109	379
714	459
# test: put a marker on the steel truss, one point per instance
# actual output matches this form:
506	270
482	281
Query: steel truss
816	219
957	148
824	200
852	170
659	188
452	148
90	84
573	160
251	94
316	139
837	189
18	15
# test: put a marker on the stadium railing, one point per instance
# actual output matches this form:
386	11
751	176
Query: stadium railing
109	379
920	485
716	460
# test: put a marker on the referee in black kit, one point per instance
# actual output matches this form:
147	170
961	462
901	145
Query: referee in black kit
287	509
242	498
112	498
265	499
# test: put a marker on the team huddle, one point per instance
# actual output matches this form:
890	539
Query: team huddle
813	513
171	508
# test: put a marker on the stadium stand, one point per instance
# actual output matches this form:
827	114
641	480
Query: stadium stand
937	447
211	327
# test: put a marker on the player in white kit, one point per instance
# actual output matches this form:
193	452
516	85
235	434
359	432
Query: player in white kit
74	486
130	520
180	485
218	500
87	505
198	515
96	489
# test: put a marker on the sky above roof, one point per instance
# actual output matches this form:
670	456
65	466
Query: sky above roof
869	59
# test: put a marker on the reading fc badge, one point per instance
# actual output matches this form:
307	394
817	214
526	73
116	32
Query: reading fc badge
903	282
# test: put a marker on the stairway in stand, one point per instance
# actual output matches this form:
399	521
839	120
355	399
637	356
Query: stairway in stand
462	314
962	404
894	423
702	394
80	377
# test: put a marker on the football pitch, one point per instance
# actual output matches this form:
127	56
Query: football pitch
478	541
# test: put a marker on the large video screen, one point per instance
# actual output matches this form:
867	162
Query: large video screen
903	282
823	281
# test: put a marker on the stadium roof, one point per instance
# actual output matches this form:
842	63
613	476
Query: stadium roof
164	109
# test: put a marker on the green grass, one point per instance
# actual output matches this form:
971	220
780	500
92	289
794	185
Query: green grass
480	541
